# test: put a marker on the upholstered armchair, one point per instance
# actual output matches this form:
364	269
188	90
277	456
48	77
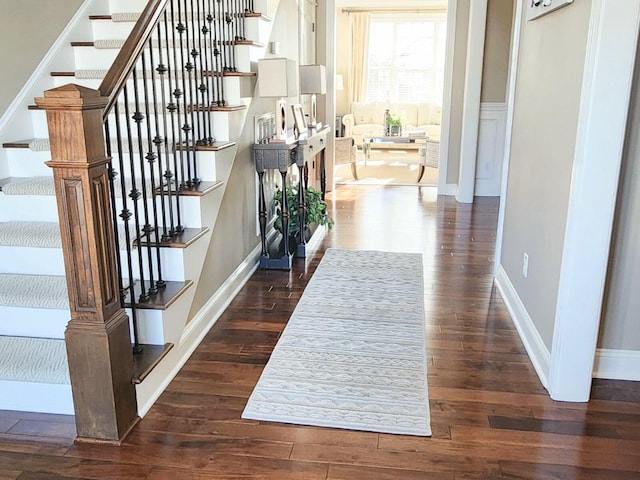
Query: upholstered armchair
346	153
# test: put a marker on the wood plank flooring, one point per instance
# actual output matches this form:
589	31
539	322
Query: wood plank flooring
491	417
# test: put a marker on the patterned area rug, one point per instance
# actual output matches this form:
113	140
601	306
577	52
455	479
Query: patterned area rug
353	354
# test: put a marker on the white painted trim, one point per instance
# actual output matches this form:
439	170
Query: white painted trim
617	364
445	127
606	88
43	68
490	149
36	397
533	343
471	109
158	380
508	130
447	189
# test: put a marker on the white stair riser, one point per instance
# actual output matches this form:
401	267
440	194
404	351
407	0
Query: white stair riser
228	125
232	87
157	327
150	329
42	208
257	29
33	322
172	263
94	58
49	261
32	260
36	397
24	162
108	30
28	208
116	6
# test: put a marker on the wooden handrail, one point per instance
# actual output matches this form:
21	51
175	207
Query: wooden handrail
119	72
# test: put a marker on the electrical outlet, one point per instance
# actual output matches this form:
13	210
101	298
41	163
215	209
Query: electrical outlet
525	265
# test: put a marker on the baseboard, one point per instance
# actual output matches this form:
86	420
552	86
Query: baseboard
36	397
535	347
158	380
617	364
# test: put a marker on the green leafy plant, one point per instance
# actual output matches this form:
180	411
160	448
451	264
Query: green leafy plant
395	120
316	212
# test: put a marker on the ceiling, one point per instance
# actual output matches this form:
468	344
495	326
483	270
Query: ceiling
395	4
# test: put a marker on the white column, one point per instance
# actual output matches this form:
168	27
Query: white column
471	109
606	87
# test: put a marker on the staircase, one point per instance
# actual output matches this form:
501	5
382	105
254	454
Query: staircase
34	302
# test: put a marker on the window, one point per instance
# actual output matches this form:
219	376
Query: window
406	59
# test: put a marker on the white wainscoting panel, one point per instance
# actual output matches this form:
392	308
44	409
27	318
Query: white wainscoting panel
490	154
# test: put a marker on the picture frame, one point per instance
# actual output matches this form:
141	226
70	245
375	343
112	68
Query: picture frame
300	122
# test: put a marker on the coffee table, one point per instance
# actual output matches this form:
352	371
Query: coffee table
413	142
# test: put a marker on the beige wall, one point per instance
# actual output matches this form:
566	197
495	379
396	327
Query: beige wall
22	49
497	43
234	236
550	71
619	328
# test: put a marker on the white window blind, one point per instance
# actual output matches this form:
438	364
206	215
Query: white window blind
406	58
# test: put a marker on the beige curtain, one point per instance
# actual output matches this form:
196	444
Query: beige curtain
360	41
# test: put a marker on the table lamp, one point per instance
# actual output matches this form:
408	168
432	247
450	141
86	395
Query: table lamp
313	80
277	77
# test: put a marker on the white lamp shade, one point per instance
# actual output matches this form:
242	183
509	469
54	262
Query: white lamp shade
313	79
277	77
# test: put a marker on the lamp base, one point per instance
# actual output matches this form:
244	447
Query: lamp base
281	119
313	114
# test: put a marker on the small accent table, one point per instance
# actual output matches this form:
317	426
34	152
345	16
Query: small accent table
281	156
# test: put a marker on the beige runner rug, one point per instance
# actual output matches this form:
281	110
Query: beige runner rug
353	354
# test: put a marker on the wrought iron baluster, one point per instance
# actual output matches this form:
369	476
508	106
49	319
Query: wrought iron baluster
187	129
125	215
177	117
177	154
153	157
217	52
138	117
207	77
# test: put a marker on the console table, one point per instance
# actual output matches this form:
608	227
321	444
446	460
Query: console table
280	156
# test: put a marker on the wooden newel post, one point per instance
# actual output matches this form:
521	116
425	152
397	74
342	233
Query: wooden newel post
97	336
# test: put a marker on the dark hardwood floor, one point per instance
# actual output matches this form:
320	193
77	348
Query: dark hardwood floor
491	417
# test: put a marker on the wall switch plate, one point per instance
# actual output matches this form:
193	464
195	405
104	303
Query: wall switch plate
525	265
538	8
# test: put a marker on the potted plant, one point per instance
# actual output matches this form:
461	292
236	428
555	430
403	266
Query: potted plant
395	125
316	213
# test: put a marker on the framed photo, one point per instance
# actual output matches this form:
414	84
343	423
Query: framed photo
298	118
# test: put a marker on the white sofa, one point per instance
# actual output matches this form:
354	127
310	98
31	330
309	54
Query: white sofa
367	119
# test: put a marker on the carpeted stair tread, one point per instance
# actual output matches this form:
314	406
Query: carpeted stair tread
28	359
30	186
30	234
33	291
